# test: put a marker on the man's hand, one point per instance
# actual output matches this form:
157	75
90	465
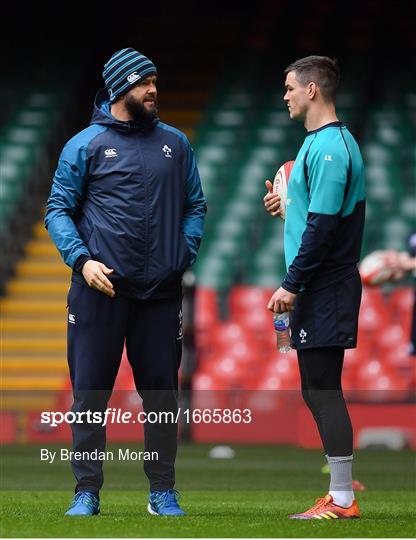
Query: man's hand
95	274
281	301
271	200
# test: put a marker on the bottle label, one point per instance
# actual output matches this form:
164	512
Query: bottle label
280	326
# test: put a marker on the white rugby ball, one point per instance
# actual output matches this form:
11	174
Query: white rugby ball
373	271
280	185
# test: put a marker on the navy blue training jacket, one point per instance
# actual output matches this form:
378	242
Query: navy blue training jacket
131	199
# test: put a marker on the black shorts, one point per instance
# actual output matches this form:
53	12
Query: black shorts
327	317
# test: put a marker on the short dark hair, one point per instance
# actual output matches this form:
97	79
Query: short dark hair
322	70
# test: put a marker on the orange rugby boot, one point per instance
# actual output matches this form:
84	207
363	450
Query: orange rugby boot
326	509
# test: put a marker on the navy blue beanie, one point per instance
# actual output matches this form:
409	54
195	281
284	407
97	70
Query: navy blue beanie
125	69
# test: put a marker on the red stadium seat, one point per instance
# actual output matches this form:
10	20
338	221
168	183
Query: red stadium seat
401	302
348	384
372	319
228	332
285	367
413	386
210	392
277	382
386	388
373	296
401	307
8	431
206	316
126	400
370	370
225	336
378	382
400	359
355	358
205	320
259	319
205	382
391	338
206	302
203	339
245	351
124	380
259	323
269	343
228	371
243	298
374	315
358	356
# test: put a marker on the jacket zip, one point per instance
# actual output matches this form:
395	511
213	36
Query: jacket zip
147	212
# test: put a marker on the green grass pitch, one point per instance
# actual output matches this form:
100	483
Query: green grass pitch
248	496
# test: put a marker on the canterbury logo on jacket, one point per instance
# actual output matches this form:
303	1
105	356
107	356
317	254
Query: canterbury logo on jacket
131	199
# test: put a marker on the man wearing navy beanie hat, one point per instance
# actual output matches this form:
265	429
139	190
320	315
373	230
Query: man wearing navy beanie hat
125	69
130	81
126	212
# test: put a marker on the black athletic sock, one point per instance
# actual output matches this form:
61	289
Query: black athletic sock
320	371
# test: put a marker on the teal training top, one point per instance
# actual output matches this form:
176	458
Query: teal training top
325	210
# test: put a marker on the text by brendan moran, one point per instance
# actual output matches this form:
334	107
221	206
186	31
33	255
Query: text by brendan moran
123	454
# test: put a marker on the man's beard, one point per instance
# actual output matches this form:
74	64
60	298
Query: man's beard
138	112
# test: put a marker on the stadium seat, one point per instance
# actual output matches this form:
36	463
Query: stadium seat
355	358
373	297
203	381
209	392
373	319
246	351
228	332
387	387
283	367
244	298
370	370
348	384
401	303
8	431
206	318
274	381
376	381
281	373
206	308
124	380
258	321
228	371
400	359
391	338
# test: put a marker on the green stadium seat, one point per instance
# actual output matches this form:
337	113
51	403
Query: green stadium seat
21	139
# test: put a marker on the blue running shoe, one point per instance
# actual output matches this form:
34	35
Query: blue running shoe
165	503
84	503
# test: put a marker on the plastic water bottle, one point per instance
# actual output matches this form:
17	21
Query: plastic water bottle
281	327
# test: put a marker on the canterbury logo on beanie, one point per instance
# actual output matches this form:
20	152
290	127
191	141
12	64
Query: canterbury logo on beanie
125	69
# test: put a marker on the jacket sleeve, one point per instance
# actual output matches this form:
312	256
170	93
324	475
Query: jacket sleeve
195	206
328	174
65	200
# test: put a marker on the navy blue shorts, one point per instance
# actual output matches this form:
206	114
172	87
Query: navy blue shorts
327	317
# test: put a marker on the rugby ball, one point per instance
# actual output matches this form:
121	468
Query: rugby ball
280	185
373	271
